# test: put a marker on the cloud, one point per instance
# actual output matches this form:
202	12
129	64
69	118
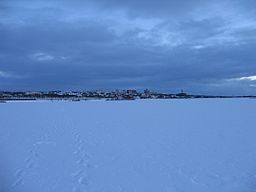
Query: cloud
4	74
42	57
165	45
250	78
8	75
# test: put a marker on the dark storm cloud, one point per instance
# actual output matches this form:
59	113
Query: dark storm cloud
199	46
146	8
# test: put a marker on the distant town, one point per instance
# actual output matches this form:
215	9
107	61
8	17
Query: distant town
102	95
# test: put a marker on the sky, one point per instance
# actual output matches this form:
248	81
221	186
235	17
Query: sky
202	47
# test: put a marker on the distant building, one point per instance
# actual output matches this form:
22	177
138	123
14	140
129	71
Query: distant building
147	91
131	91
181	94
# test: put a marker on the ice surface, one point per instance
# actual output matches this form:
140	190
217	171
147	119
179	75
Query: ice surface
128	146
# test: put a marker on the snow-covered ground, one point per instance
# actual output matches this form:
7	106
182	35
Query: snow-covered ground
129	146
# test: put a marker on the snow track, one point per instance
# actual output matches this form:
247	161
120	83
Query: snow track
80	176
30	162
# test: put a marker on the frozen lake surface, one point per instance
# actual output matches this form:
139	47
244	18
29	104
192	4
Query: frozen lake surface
138	146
